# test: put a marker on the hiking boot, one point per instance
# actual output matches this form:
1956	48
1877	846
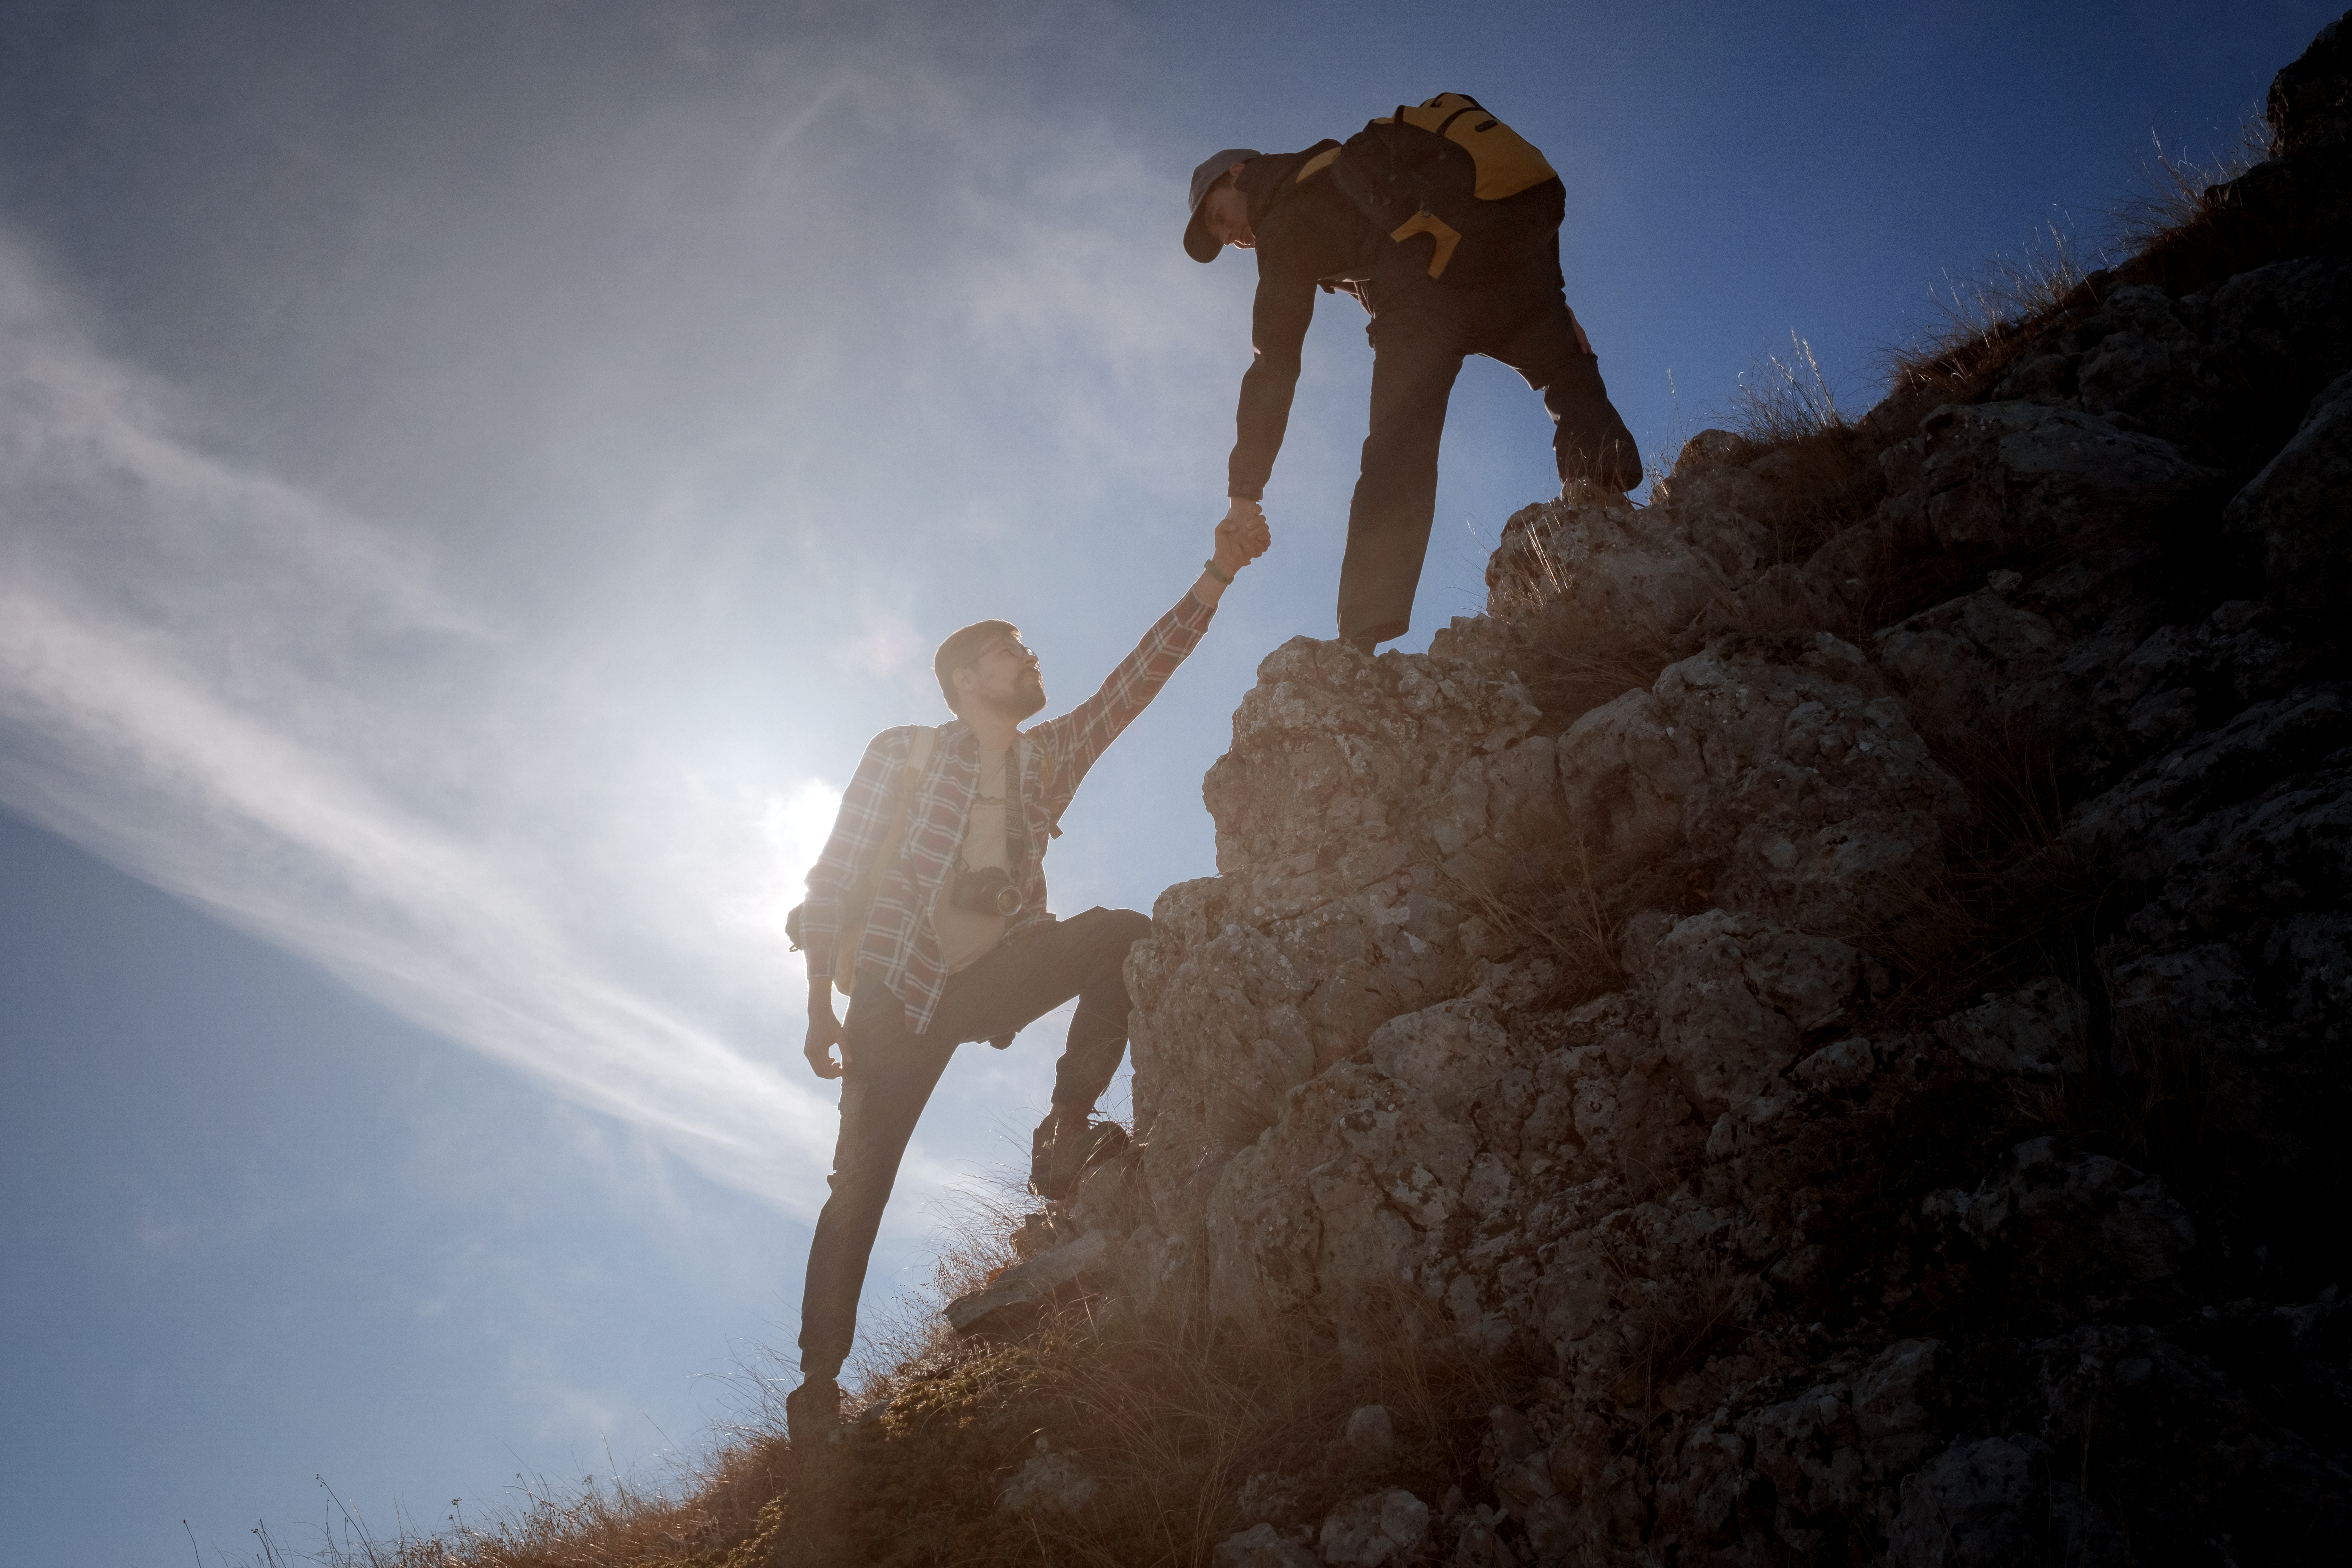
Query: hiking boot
813	1413
1061	1147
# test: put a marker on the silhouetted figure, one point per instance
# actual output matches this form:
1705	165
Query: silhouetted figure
930	898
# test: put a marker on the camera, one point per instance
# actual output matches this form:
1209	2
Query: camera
987	892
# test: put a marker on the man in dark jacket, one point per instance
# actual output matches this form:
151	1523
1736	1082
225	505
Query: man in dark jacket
1306	233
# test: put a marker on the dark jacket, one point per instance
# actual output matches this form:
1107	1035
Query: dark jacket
1308	235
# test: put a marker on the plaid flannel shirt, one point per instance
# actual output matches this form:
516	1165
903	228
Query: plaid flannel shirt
901	946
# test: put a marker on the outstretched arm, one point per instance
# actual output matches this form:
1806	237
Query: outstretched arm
1279	317
1075	739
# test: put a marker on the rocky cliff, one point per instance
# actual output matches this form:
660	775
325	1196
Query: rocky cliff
1836	988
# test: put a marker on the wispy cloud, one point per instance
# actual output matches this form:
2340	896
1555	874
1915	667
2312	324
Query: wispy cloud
177	638
527	716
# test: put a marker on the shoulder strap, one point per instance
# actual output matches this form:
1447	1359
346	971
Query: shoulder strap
919	747
1044	782
925	741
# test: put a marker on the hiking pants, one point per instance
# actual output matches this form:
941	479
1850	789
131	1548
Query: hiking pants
1422	328
890	1075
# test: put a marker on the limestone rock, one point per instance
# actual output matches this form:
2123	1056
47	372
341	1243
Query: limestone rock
1448	1053
2037	1033
1739	996
1011	1302
1048	1482
1994	476
2299	508
2148	368
2170	807
1616	1050
1990	1503
1786	762
1613	567
2081	1225
2309	106
1381	1527
1847	1064
1263	1546
2285	329
1370	1438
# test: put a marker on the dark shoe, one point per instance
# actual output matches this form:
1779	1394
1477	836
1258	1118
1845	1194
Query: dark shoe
813	1413
1061	1147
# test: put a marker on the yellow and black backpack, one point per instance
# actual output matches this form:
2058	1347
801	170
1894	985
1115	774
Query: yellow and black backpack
1444	169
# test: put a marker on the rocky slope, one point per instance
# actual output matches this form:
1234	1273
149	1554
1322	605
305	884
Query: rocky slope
1873	1084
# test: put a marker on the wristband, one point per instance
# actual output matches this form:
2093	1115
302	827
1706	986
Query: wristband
1209	565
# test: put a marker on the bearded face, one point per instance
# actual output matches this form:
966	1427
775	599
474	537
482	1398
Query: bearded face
1005	681
1028	696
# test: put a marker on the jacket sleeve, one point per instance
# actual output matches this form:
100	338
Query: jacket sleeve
1279	321
857	832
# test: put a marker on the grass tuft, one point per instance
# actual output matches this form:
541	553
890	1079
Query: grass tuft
2173	185
1978	322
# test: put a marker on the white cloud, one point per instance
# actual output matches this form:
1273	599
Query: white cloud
180	699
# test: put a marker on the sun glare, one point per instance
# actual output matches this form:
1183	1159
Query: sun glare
794	823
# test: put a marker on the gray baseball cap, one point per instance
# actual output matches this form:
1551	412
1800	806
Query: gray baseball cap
1198	245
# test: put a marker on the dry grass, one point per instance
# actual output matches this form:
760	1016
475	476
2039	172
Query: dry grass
1817	469
595	1523
1567	664
1676	1326
1170	1418
1978	322
1555	901
1173	1420
1571	897
2171	231
2173	184
1781	401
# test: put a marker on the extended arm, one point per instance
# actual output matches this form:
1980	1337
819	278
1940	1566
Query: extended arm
1076	738
1279	321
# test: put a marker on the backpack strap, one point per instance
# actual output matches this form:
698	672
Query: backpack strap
1044	780
921	744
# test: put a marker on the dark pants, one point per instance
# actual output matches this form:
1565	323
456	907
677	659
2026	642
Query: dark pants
890	1074
1422	330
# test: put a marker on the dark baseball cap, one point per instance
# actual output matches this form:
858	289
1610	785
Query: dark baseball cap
1197	243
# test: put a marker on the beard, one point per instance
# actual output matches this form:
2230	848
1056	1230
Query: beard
1028	697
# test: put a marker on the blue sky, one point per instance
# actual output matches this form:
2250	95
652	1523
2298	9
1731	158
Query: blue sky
471	477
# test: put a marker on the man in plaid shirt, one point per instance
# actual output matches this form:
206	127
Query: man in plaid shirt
933	969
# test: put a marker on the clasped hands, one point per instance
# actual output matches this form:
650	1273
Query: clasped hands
1241	535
